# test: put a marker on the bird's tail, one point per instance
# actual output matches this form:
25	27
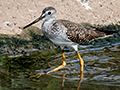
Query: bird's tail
107	33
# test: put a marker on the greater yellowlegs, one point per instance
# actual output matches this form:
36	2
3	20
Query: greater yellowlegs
65	33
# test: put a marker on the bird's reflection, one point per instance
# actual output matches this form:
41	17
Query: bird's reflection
80	79
63	80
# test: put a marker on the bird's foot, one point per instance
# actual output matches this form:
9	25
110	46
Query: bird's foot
37	75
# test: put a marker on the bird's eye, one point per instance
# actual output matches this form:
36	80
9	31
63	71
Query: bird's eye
49	13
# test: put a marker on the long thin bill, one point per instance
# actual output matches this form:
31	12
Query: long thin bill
40	18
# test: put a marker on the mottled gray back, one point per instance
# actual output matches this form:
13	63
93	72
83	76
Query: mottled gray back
79	34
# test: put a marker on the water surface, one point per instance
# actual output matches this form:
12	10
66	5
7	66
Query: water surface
101	70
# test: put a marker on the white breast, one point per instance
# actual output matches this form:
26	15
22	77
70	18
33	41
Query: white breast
57	34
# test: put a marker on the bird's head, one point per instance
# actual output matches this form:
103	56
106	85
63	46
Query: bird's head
47	13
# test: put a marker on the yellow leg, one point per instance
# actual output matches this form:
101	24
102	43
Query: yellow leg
36	75
61	66
81	61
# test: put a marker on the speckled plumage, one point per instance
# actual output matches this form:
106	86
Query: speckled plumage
78	33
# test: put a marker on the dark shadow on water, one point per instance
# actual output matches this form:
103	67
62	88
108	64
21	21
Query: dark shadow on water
30	39
33	39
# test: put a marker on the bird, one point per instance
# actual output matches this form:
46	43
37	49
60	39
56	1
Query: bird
84	3
65	33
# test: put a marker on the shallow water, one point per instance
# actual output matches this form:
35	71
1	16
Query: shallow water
101	71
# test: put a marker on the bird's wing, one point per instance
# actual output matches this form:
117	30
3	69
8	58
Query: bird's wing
78	33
